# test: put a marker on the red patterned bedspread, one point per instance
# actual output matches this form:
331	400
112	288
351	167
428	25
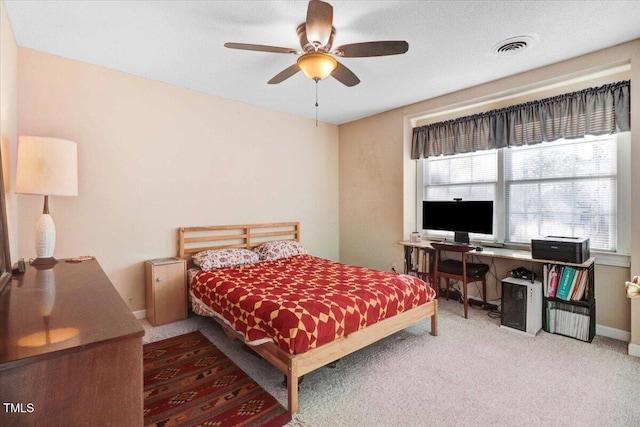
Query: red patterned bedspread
303	302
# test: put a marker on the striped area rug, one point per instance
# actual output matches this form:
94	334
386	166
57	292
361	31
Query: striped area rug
189	382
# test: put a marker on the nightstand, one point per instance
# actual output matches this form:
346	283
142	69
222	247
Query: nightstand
166	290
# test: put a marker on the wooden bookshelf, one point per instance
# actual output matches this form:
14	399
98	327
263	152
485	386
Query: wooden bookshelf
418	260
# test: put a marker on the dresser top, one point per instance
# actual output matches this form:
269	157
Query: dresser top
45	313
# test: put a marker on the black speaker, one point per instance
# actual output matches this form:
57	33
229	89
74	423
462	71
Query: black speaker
514	310
521	305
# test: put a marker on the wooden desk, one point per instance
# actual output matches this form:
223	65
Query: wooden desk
562	323
70	350
417	259
511	254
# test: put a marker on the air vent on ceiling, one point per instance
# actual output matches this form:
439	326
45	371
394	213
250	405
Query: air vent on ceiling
512	46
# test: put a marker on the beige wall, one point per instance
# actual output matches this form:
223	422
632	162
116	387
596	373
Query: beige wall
377	177
9	120
371	165
153	157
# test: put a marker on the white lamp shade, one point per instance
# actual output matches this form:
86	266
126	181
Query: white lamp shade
47	166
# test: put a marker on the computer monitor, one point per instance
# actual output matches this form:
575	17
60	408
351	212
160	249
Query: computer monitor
461	217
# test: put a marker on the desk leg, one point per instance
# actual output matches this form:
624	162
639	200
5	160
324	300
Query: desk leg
428	267
407	258
425	272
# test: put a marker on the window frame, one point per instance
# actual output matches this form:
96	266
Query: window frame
5	256
619	257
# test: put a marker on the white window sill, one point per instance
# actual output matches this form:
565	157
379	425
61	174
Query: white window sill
613	259
602	258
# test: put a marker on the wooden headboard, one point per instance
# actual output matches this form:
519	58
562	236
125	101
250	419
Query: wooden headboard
192	240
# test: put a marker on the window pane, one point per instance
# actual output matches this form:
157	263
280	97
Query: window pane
561	159
462	168
469	177
465	192
562	189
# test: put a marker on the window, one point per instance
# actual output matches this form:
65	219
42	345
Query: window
471	176
561	188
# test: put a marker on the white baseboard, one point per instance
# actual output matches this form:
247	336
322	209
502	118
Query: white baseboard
142	314
616	334
605	331
634	349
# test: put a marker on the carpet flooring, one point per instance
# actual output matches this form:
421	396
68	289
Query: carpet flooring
189	382
474	373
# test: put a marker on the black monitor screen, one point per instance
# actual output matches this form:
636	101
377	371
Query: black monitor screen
461	216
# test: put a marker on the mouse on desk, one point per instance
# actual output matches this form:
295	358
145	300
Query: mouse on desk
479	248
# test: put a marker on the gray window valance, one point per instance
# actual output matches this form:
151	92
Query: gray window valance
594	111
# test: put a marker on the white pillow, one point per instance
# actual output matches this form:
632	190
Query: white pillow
269	251
221	258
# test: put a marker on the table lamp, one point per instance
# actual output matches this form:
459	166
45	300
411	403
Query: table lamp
49	167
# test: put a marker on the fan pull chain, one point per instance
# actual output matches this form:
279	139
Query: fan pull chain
316	102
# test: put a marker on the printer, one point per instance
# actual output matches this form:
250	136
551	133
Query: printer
565	249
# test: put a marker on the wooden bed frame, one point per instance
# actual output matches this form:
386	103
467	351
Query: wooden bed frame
196	239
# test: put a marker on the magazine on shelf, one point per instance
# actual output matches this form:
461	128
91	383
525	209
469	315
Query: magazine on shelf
564	319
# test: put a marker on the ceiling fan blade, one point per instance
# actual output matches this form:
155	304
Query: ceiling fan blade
284	74
261	48
319	22
345	76
382	48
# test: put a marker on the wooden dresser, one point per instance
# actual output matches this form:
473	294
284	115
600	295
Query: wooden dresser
70	350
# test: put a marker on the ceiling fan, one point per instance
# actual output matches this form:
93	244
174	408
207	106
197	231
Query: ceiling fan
317	59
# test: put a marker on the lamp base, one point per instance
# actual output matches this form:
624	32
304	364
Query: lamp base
45	236
44	262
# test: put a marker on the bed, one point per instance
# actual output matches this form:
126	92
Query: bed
297	311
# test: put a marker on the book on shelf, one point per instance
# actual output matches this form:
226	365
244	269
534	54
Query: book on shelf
566	280
554	277
587	288
581	287
574	284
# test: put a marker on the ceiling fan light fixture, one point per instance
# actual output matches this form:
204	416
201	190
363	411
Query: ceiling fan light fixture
316	36
317	65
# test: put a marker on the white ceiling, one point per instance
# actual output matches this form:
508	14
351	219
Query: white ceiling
450	42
